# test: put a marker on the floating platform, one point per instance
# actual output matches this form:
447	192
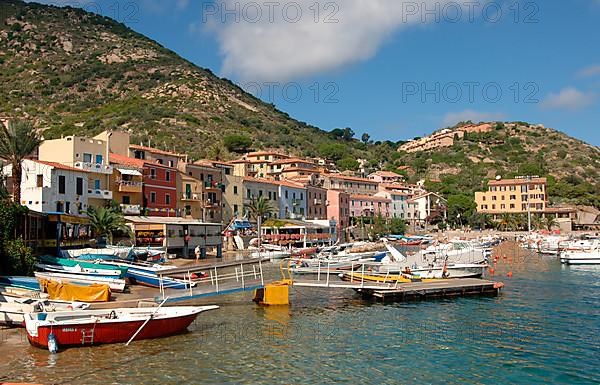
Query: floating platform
442	289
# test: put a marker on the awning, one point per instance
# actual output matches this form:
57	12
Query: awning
126	171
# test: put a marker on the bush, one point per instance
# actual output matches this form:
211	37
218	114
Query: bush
19	257
237	143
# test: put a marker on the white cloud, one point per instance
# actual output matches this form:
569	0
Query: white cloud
589	71
568	98
451	118
276	49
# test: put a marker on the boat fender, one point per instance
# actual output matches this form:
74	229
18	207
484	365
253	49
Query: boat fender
52	344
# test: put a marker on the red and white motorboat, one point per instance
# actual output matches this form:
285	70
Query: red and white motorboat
108	326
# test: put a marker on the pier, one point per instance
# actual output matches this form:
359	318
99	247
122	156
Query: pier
214	279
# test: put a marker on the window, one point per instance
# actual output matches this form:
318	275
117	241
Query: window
59	207
235	190
99	159
483	199
513	197
40	181
170	163
62	185
227	171
260	193
153	173
79	186
126	199
68	207
301	196
168	199
160	161
235	209
138	154
153	197
168	176
493	197
286	194
502	207
512	205
97	184
87	158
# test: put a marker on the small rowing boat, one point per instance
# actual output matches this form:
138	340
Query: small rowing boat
108	326
81	266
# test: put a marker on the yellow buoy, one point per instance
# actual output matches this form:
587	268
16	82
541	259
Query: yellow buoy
273	294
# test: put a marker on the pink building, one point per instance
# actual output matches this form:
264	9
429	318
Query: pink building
370	206
338	209
386	177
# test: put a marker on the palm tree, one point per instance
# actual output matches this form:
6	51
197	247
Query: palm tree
549	223
260	208
106	222
537	222
17	141
506	222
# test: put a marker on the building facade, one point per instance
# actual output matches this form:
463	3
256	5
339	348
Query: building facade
513	196
127	183
369	206
52	187
87	154
349	184
292	200
338	210
255	187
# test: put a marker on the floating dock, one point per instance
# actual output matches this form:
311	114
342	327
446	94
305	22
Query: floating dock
442	289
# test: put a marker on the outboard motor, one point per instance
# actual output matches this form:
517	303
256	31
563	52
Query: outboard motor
52	344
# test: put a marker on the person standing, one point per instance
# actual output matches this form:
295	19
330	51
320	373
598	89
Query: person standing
197	252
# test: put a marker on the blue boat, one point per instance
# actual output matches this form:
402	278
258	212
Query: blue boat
146	274
29	283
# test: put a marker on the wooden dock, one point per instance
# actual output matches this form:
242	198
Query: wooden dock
443	289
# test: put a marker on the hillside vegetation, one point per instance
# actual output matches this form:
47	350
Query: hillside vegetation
74	72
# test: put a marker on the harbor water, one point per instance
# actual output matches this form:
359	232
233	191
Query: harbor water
544	328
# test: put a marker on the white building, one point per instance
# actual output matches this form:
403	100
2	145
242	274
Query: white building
53	187
422	207
292	200
399	207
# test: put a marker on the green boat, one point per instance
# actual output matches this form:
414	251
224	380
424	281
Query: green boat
71	263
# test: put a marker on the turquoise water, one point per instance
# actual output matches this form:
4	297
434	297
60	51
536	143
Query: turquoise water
543	329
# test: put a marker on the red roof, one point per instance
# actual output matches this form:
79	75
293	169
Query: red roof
292	160
59	166
125	160
506	182
388	174
257	180
155	150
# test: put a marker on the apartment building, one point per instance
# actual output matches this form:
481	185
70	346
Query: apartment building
351	185
386	177
127	183
369	206
513	196
258	164
190	204
52	187
338	209
255	187
292	200
421	208
211	178
291	168
87	154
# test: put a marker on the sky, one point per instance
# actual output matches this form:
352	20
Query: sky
391	68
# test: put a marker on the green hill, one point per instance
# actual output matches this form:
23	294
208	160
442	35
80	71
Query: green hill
74	72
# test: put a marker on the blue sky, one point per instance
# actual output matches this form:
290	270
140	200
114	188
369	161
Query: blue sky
394	69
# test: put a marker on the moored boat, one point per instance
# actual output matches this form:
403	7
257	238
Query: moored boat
115	284
82	266
146	274
14	308
107	326
28	283
581	257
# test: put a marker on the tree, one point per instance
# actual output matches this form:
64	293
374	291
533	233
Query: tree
237	143
333	151
348	134
107	221
460	208
397	226
17	141
365	138
259	209
348	163
549	223
506	222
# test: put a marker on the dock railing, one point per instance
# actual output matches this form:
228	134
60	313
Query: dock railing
213	279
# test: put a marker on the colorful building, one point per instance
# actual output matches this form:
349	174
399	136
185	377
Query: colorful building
369	206
513	196
338	209
127	183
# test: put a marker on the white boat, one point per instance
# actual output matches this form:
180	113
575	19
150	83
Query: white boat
591	257
14	308
115	284
78	270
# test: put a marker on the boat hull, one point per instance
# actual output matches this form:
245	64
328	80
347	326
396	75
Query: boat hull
110	333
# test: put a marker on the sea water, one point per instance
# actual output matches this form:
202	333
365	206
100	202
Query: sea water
544	328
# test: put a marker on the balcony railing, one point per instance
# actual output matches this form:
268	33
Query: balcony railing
129	186
100	194
131	209
296	202
191	197
318	202
212	204
213	186
95	167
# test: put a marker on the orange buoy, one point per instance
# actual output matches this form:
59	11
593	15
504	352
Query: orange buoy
509	274
491	271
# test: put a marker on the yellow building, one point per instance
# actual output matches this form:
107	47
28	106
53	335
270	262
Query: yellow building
87	154
512	196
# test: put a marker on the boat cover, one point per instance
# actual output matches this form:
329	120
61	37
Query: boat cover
72	292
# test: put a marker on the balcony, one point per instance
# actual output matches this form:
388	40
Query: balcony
296	202
193	197
318	202
95	167
131	209
100	194
212	204
213	186
129	186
